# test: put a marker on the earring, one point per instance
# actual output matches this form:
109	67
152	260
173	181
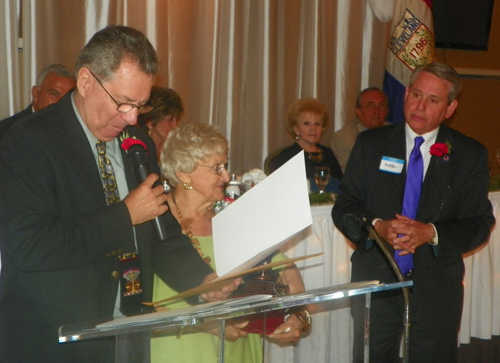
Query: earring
187	186
149	130
297	137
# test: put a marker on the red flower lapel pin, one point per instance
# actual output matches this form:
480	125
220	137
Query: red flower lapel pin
128	142
441	150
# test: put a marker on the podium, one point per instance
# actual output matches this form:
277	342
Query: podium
222	310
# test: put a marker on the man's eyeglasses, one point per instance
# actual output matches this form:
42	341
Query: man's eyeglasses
372	107
217	169
124	107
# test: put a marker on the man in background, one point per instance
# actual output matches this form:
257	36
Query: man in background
53	82
424	186
75	217
372	106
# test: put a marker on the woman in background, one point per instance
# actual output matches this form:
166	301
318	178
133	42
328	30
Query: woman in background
306	122
165	115
194	161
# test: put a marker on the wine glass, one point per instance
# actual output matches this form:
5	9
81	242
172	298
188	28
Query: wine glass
322	177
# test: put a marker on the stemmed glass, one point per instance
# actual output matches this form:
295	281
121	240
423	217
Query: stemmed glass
322	177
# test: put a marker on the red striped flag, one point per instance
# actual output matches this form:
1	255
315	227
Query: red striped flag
411	44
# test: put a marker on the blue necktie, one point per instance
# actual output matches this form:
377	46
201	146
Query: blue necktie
413	187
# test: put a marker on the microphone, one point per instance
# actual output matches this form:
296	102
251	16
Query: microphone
406	294
353	226
138	156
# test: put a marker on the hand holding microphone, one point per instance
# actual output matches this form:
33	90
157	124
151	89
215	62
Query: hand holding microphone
145	202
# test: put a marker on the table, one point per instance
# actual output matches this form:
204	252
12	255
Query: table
481	313
331	337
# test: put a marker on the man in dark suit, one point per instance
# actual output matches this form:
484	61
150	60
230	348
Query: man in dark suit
454	216
60	238
53	82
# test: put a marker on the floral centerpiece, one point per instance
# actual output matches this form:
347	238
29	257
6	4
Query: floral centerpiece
317	198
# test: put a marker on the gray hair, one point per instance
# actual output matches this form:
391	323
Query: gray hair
58	69
443	71
106	50
360	95
187	145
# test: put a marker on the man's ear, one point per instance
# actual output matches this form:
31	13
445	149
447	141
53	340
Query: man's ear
451	108
34	96
83	80
407	91
357	111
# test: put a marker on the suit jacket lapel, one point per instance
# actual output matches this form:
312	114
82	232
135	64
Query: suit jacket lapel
132	181
436	182
73	140
397	149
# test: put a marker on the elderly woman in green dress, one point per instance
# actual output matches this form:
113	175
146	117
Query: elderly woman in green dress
194	161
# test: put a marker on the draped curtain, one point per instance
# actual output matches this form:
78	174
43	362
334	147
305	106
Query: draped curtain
10	90
237	64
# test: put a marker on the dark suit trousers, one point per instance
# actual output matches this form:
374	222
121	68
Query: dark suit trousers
35	341
433	332
27	343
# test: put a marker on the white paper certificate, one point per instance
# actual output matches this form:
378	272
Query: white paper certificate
262	219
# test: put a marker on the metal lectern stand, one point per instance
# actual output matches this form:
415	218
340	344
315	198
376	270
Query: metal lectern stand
220	311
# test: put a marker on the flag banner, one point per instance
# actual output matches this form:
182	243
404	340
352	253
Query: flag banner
411	44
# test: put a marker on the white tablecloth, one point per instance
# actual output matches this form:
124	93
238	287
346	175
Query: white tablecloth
331	337
481	312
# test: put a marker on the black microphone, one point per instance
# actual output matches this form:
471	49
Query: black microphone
352	226
140	166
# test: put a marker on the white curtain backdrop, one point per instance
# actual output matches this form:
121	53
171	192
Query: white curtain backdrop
9	60
237	64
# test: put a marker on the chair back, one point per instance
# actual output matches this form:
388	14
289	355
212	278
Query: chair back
269	159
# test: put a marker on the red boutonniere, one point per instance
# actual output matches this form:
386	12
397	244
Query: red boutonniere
128	142
442	150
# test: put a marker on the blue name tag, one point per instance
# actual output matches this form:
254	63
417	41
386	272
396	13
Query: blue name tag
391	165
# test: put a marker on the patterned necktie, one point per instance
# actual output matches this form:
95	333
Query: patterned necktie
107	174
413	187
131	296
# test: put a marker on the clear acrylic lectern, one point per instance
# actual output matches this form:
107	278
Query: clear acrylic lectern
222	310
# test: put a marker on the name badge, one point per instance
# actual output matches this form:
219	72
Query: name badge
391	165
